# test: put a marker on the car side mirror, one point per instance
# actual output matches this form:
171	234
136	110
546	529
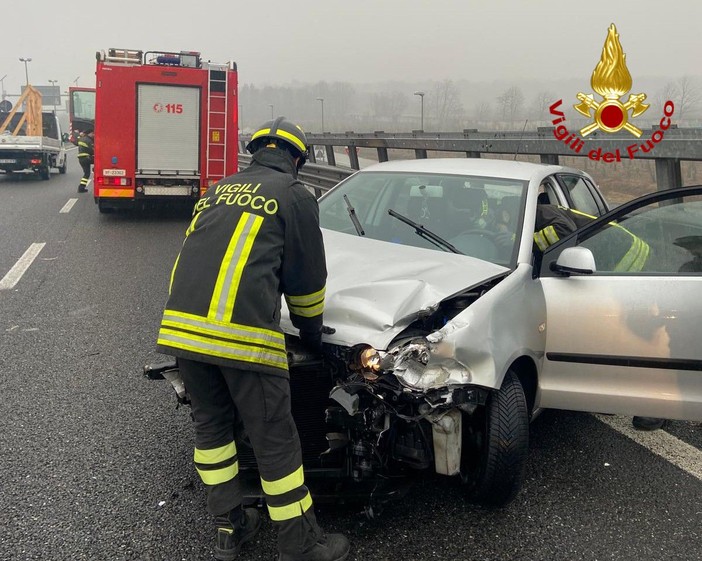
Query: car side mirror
64	137
574	261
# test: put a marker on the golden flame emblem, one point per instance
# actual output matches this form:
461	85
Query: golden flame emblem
611	79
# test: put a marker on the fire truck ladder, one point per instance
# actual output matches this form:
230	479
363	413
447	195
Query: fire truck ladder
217	121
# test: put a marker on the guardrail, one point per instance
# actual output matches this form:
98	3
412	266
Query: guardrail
666	147
319	177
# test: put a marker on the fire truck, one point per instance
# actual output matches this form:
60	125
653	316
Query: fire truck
166	126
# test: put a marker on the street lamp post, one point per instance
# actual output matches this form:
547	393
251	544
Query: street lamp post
2	87
53	83
26	72
271	106
321	100
421	95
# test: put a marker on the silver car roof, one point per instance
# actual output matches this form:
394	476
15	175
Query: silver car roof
508	169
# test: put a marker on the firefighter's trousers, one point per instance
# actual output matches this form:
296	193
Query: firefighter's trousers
86	165
219	397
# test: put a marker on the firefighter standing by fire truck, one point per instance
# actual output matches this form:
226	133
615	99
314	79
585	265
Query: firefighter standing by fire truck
254	237
86	156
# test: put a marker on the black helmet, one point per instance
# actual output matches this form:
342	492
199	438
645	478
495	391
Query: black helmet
284	130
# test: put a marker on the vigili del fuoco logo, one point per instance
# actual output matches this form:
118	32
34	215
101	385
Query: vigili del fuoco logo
612	81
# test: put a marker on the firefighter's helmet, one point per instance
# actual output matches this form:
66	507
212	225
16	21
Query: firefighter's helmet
282	130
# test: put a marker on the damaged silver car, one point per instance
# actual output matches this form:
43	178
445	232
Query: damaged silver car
451	332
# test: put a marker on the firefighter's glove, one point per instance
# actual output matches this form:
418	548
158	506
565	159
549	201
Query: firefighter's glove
312	340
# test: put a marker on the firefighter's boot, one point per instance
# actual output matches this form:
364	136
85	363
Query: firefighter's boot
329	547
648	423
234	530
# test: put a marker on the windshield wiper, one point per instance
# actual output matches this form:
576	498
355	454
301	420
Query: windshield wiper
354	218
425	233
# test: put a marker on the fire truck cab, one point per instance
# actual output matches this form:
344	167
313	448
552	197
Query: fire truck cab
166	126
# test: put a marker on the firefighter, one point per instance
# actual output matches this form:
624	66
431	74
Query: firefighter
254	237
554	222
624	252
86	156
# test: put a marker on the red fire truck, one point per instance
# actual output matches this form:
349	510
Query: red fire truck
166	126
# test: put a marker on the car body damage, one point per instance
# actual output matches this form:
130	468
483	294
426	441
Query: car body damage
411	356
372	299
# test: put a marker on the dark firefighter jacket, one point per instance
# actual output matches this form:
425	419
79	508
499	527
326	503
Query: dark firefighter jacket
254	236
623	251
86	148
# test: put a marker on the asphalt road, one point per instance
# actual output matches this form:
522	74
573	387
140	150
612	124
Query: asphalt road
95	460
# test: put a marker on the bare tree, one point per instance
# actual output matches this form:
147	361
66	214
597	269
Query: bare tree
510	103
483	111
539	106
669	92
688	97
449	109
343	99
389	106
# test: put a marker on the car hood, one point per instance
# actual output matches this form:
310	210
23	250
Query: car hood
375	289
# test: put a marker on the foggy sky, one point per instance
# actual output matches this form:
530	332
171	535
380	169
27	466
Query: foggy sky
361	41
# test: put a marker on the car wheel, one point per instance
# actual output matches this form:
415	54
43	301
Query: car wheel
495	445
63	168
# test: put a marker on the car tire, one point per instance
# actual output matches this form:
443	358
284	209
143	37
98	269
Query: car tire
64	167
45	173
495	445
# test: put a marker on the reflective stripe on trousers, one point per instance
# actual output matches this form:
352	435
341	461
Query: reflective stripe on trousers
222	399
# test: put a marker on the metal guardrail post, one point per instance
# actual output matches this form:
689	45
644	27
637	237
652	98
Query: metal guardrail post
353	157
551	159
331	157
668	173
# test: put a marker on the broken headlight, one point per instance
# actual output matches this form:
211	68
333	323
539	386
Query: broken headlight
367	361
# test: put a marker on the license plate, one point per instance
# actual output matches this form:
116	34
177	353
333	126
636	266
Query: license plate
176	190
7	161
114	172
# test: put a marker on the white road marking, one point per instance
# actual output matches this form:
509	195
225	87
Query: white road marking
661	443
68	206
15	274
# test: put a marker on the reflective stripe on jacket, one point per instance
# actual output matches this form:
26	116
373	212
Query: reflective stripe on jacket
254	236
86	147
554	222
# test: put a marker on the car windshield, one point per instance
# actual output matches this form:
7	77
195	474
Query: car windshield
478	216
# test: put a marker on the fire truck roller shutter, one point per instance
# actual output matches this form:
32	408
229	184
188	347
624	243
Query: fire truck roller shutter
168	130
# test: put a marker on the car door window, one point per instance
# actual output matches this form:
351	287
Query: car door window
581	194
547	192
659	238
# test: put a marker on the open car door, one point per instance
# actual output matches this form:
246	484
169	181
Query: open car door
624	311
